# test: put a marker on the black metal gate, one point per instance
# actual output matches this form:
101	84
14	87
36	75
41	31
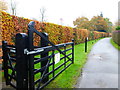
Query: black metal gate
33	67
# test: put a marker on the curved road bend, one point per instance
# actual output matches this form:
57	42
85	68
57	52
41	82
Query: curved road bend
101	69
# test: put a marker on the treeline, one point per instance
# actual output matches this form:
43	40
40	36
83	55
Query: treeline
94	24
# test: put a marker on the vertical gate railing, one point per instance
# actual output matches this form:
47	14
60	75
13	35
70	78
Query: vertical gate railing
35	67
9	64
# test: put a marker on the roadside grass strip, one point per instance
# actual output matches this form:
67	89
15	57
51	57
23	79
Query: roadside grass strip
69	77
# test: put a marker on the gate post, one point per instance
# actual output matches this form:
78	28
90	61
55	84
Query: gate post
73	51
43	63
21	61
5	62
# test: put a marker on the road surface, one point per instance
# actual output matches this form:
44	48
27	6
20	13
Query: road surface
101	69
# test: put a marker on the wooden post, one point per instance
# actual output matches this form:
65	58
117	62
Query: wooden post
21	61
73	51
85	44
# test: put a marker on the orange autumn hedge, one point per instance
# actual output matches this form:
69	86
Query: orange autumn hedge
57	33
11	25
81	34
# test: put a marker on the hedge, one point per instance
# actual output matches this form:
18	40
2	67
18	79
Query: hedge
57	33
11	25
116	36
0	39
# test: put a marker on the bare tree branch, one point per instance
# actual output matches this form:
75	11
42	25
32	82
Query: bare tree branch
13	7
42	12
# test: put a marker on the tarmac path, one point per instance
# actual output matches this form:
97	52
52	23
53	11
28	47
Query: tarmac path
101	69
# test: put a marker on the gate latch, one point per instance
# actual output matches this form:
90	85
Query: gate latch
28	52
32	52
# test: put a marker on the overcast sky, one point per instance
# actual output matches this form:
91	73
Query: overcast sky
68	10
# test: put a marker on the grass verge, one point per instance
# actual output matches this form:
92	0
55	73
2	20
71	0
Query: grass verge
114	44
69	77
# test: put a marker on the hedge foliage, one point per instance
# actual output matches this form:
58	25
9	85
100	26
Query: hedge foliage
11	25
118	28
116	36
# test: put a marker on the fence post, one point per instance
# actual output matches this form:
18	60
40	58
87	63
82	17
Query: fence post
5	61
43	63
86	44
73	51
21	61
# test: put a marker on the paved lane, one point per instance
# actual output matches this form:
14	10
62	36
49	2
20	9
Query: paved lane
101	69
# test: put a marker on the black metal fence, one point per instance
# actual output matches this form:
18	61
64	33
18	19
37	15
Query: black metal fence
33	67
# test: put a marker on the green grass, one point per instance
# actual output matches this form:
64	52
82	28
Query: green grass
69	77
114	44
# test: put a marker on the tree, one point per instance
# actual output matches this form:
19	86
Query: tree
101	14
109	25
13	7
42	13
82	22
98	23
3	5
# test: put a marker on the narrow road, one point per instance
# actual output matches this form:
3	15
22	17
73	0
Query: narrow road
101	69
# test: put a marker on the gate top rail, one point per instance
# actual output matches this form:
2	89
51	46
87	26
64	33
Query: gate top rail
40	50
